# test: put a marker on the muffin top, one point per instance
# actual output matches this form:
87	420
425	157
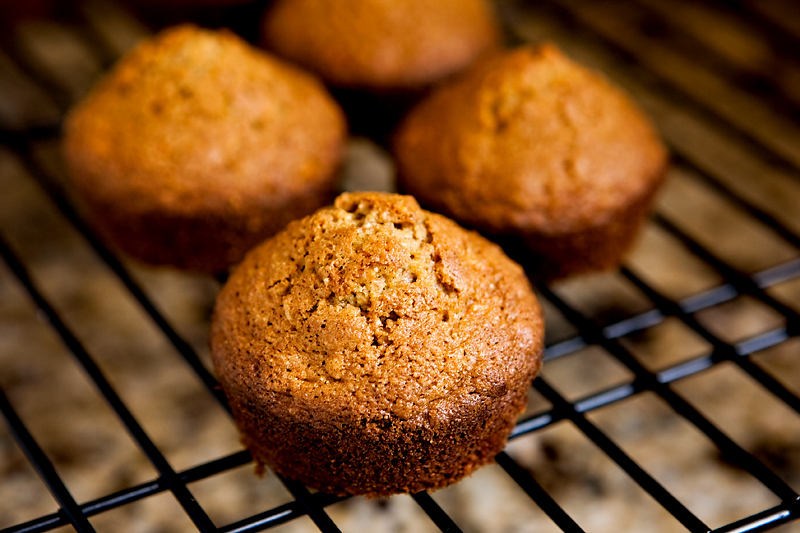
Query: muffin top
528	138
196	117
376	308
381	44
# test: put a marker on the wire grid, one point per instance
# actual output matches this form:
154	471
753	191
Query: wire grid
587	30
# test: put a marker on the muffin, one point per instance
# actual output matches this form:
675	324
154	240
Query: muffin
197	146
375	348
378	45
528	146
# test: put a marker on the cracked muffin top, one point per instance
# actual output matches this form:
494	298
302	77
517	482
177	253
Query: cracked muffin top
526	139
379	308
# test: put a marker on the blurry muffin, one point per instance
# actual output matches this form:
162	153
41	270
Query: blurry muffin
376	348
196	146
530	145
380	45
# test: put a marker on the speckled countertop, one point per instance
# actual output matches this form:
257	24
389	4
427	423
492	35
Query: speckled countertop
46	64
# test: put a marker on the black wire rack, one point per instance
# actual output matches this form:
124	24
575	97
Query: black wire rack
719	262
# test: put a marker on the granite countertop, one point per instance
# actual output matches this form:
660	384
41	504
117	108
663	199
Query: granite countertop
95	456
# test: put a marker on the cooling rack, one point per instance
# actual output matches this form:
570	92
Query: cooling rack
669	395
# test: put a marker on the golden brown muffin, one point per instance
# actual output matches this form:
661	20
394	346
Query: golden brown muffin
381	45
376	348
529	144
197	146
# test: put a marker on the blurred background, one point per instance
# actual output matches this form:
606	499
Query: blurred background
669	398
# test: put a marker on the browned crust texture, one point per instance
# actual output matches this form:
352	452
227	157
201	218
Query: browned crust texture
385	46
196	146
528	143
376	348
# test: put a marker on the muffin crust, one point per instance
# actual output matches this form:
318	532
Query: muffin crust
381	45
529	144
196	146
375	348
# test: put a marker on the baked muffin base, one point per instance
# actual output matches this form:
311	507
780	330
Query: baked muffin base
208	242
386	456
592	248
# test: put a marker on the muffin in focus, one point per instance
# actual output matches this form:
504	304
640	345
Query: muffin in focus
528	145
376	348
397	46
197	146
